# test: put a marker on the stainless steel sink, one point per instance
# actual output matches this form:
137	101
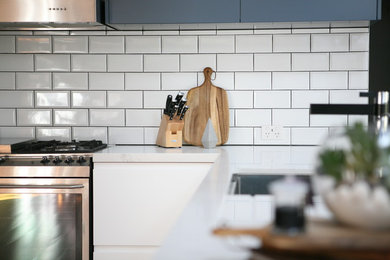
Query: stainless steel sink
257	184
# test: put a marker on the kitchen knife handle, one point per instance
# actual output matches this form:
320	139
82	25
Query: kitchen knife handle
179	96
167	104
181	105
183	112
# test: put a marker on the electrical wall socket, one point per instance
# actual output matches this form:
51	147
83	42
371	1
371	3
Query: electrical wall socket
272	132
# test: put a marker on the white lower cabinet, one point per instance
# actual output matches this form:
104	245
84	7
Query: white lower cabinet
136	204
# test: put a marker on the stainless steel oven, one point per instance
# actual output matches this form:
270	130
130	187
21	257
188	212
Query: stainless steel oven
45	206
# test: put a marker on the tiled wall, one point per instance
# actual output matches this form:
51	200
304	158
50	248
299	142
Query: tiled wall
113	85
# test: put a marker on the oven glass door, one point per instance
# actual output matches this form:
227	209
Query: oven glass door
44	219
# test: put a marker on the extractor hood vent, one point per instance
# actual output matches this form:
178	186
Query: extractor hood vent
50	15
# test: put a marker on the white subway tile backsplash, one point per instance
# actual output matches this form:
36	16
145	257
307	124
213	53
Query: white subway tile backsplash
16	99
125	135
223	80
32	117
329	42
150	135
179	44
106	81
234	62
328	120
33	80
52	62
284	140
272	62
75	81
328	80
16	62
290	80
291	43
303	99
240	99
17	132
290	117
359	41
70	117
310	61
253	43
253	117
70	44
142	81
347	97
161	29
52	99
106	44
240	136
87	99
143	44
117	82
156	99
50	133
352	119
216	44
88	133
7	117
232	118
161	63
349	61
124	99
178	81
197	62
107	117
252	80
7	44
358	80
82	62
308	136
124	63
33	44
143	117
272	99
7	80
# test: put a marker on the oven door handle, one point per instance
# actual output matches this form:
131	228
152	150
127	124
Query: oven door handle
32	186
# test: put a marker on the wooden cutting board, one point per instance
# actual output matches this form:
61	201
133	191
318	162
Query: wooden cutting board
322	237
206	101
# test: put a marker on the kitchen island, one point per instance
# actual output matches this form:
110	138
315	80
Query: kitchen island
190	237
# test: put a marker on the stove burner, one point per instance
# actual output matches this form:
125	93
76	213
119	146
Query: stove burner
58	147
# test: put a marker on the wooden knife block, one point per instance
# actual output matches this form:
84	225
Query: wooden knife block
170	132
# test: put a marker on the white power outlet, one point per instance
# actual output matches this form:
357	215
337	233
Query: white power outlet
272	132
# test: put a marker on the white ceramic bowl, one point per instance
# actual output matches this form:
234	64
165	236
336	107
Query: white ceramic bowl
356	205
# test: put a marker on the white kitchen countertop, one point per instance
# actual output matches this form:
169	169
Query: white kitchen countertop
191	236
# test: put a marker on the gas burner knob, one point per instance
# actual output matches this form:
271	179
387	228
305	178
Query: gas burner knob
2	159
81	159
57	160
69	160
45	159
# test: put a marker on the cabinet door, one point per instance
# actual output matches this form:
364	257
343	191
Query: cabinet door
308	10
137	204
172	11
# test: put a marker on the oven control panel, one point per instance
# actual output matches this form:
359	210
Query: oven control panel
46	160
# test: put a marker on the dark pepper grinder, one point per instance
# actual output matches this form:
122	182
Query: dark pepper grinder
289	194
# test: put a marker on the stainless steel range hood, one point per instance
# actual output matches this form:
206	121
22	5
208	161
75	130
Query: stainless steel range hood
50	15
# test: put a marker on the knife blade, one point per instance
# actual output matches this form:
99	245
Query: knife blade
183	101
185	108
167	104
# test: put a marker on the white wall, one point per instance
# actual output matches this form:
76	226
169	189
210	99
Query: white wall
113	85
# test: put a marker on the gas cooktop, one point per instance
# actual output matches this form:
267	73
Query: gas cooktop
54	146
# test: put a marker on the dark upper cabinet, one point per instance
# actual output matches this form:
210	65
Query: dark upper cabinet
172	11
309	10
